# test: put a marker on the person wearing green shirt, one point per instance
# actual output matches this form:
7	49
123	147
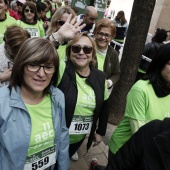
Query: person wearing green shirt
86	94
141	140
147	100
5	20
29	20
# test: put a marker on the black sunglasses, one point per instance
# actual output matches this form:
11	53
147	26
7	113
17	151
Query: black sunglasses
86	49
29	10
60	23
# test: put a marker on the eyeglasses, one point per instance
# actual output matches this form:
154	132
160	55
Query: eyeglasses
60	23
101	34
36	68
29	10
86	49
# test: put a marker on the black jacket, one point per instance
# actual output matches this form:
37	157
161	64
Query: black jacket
147	149
96	80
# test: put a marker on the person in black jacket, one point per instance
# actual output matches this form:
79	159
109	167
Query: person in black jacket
147	149
86	94
150	51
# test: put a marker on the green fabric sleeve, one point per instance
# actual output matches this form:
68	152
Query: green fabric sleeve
136	124
136	104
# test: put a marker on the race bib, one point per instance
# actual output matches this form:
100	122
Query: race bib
81	124
33	32
41	160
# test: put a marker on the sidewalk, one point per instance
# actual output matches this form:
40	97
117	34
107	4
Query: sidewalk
100	152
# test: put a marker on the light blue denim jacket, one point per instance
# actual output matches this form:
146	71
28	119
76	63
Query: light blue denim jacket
15	129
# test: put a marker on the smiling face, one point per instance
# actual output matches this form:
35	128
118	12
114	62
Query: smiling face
81	60
103	38
29	14
36	82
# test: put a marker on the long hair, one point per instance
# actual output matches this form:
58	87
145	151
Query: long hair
31	5
37	50
158	63
120	17
57	16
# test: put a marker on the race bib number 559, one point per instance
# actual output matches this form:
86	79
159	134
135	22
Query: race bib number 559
41	160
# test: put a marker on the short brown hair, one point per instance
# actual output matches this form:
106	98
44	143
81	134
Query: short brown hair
105	22
37	50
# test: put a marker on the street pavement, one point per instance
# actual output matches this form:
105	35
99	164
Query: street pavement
100	152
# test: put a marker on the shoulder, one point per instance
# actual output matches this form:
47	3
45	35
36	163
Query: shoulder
141	85
57	95
9	18
111	50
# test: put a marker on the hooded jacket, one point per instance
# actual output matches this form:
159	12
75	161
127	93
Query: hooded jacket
15	129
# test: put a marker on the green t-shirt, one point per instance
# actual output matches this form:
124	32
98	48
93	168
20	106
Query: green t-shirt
3	25
84	110
36	30
100	61
85	106
143	105
41	147
62	52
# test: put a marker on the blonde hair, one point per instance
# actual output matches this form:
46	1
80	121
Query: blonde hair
57	16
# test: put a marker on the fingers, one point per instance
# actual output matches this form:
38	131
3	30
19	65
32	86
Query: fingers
69	18
74	20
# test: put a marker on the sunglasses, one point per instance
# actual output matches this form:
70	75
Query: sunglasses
77	49
60	23
29	10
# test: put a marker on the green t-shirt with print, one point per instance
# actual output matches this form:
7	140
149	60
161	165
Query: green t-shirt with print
41	150
84	110
143	105
3	25
100	61
85	106
36	30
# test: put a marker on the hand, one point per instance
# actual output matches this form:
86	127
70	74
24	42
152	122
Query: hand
70	29
97	139
108	84
4	76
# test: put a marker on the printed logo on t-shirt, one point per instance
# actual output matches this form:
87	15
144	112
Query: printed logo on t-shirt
33	32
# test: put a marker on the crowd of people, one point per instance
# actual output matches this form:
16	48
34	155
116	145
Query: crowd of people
57	71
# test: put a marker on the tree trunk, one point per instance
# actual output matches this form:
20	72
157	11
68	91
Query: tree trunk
137	32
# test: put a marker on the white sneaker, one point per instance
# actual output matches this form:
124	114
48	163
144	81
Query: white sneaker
75	157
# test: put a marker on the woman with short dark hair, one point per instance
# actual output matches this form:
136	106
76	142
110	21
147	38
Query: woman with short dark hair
32	118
